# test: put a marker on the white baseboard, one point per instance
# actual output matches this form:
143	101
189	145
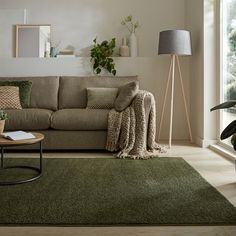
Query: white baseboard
224	152
204	143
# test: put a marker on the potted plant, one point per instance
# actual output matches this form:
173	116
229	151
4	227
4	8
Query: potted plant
3	117
101	56
131	25
230	130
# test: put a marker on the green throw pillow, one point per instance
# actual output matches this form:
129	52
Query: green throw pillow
24	88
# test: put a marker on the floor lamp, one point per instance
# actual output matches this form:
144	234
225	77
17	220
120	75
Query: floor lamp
174	43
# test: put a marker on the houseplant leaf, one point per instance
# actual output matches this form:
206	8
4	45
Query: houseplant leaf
233	141
224	105
114	72
101	56
229	130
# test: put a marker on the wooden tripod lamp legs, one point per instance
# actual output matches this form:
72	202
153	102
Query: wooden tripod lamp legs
171	75
164	103
172	99
185	103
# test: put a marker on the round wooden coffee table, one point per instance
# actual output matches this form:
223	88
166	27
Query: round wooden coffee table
4	143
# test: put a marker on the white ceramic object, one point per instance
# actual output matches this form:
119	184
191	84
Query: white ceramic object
2	125
133	45
124	49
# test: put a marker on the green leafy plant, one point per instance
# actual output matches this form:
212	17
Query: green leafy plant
101	56
232	41
130	23
230	130
230	91
3	115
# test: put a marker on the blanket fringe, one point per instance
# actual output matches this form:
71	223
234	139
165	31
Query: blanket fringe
111	146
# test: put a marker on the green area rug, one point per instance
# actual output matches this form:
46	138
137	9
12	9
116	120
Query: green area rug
162	191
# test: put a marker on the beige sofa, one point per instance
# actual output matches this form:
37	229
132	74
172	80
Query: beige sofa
58	110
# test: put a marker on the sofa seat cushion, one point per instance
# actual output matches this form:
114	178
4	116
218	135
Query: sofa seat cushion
80	119
28	119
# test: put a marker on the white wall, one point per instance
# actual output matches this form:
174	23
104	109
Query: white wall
201	20
8	18
77	22
210	71
194	19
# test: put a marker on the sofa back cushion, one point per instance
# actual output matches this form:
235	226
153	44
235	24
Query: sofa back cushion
44	92
73	90
101	98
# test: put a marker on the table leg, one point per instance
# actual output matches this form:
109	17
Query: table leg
2	156
36	169
41	156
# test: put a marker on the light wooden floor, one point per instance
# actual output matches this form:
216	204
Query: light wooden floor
215	169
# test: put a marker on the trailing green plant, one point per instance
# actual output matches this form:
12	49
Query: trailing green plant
130	24
3	115
101	56
230	130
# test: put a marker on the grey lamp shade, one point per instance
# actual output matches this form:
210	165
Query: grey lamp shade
175	42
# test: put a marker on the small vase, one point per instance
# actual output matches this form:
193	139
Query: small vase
53	52
133	45
2	125
124	49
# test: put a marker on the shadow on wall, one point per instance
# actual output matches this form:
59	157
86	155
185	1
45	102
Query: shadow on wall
85	52
86	64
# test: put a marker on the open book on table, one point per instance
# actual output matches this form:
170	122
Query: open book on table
18	135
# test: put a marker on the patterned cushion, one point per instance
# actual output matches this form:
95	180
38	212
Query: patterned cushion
9	97
24	88
101	98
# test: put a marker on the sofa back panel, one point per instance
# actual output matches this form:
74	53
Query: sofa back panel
44	93
73	90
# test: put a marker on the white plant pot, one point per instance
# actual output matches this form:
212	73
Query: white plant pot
133	45
2	125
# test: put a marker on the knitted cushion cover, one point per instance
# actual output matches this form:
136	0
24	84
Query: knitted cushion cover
24	90
101	98
9	98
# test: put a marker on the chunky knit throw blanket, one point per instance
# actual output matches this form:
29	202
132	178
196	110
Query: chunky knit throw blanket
128	132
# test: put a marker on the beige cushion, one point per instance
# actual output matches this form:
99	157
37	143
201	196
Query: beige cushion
28	119
80	119
9	97
44	92
101	98
126	95
73	90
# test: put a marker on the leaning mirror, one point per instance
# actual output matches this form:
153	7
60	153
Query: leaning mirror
33	40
